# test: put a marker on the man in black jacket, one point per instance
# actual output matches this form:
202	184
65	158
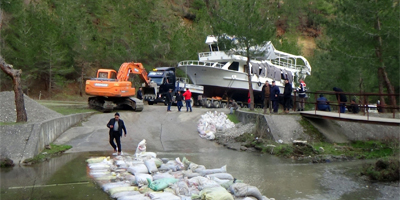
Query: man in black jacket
265	93
116	125
287	95
168	100
341	98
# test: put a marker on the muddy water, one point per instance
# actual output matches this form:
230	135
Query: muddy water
65	177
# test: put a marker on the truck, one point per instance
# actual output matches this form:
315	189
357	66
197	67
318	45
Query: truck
111	88
164	79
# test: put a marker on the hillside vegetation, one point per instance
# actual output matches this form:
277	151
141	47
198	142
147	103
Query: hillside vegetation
60	43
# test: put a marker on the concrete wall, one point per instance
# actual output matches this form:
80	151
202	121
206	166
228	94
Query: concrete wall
275	127
288	128
21	141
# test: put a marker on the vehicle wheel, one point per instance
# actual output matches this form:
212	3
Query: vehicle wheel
223	105
208	104
217	104
150	102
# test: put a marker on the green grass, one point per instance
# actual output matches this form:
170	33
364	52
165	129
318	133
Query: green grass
310	130
233	118
48	153
360	149
67	107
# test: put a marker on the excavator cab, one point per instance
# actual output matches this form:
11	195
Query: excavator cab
106	74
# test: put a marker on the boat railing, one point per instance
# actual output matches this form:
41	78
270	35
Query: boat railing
200	63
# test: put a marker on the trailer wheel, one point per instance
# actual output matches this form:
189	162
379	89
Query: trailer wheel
217	104
208	104
223	105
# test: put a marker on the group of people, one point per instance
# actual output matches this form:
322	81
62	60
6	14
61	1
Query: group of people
323	104
187	95
270	95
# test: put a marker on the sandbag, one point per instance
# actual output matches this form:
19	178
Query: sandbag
124	193
163	196
99	166
244	190
215	193
96	160
202	182
144	189
141	179
138	168
106	187
115	190
190	174
160	175
134	197
151	166
221	176
212	171
161	184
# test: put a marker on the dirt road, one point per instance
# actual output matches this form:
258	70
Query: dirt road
164	132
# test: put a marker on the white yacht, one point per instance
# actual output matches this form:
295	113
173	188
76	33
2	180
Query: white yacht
222	73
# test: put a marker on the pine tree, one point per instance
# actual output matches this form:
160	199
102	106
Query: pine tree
251	28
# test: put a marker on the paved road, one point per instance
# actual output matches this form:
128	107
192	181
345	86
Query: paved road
164	132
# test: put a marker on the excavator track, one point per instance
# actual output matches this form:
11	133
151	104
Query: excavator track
139	105
100	104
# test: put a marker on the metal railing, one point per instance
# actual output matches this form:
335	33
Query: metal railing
200	63
362	101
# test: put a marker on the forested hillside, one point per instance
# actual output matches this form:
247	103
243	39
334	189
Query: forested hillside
59	43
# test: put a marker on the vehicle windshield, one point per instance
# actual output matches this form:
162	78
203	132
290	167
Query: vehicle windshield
158	80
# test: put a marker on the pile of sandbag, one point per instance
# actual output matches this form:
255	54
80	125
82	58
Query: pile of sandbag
143	176
211	122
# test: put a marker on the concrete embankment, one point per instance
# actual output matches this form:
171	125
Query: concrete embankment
22	141
288	128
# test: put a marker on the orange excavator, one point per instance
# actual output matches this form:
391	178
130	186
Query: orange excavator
110	88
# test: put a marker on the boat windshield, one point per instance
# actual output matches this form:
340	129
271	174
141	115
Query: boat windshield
158	80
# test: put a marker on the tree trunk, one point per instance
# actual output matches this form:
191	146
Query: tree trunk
382	98
250	84
19	95
382	70
81	86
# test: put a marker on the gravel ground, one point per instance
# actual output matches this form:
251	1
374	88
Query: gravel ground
34	110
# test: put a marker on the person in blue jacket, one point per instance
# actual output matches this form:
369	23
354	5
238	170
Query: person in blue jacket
274	97
323	104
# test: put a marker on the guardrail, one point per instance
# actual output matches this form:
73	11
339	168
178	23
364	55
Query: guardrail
362	101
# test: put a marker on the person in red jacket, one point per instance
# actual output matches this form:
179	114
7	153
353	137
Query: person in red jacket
187	95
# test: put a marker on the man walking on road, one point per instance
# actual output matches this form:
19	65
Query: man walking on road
116	125
168	100
274	96
266	90
188	96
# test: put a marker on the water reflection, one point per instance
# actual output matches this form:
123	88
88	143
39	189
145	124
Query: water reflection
275	177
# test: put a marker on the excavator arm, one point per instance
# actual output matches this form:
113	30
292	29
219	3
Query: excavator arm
134	68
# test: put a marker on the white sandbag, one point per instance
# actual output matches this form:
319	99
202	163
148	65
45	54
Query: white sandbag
212	171
160	175
141	147
225	176
190	174
220	181
181	188
151	166
124	193
99	173
163	196
99	166
96	159
146	155
141	179
106	187
244	190
138	168
116	190
134	197
202	182
157	161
